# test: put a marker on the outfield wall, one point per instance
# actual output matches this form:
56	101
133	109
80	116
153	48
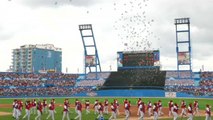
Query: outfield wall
136	93
123	93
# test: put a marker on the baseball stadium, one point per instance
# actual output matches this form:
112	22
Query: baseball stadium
139	89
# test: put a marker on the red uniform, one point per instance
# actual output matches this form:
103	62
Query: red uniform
125	101
79	106
170	105
190	109
45	103
20	105
27	105
139	102
15	101
195	105
159	104
208	110
155	108
116	102
114	108
39	107
143	107
100	108
183	104
175	108
34	103
87	104
51	106
106	103
149	105
66	107
126	106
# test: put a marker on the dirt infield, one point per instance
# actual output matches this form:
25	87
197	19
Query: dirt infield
133	110
4	113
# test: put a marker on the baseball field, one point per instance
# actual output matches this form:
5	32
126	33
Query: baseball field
6	108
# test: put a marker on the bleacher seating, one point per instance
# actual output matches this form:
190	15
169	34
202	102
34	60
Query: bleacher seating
136	77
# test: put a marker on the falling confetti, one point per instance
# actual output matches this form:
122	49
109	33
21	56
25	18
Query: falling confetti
133	25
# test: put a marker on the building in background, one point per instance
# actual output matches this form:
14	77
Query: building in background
37	58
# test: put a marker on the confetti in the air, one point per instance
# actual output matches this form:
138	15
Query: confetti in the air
134	25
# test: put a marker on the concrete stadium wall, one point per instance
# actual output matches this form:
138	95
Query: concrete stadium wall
125	93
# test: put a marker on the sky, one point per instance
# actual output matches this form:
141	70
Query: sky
118	25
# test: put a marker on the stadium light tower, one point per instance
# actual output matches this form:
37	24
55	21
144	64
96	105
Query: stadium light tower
183	44
91	58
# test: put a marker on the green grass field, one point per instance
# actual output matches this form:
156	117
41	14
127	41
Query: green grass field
91	116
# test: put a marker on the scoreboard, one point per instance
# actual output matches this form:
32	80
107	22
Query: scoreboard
138	58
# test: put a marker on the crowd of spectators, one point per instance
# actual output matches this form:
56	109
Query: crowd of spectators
204	75
36	83
44	84
185	82
90	83
182	74
206	83
43	91
196	91
103	75
36	76
204	88
21	83
60	83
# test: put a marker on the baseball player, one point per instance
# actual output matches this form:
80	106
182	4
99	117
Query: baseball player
175	111
183	108
127	109
66	110
106	106
142	110
79	111
87	103
149	108
114	114
100	110
208	112
14	102
39	111
51	110
76	103
117	104
95	107
160	108
170	107
155	111
138	103
53	100
45	106
196	108
18	109
33	109
27	110
190	112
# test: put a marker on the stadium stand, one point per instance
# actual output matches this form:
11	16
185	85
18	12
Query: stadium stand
136	77
32	85
92	81
43	91
48	84
35	76
174	74
187	82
